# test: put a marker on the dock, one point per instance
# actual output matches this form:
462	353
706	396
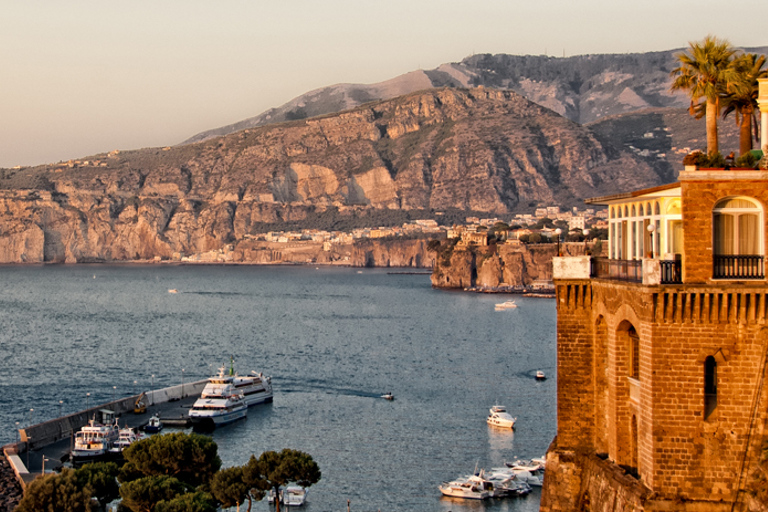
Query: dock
52	440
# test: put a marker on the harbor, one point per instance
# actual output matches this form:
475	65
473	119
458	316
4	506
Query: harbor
333	341
46	446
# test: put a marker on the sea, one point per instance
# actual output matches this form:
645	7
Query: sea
333	339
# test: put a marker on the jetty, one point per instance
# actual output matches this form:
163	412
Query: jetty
48	444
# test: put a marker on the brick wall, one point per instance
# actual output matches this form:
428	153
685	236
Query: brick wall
677	453
699	198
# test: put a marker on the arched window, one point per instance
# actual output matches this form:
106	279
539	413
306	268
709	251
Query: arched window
613	212
710	386
634	353
656	209
737	245
736	223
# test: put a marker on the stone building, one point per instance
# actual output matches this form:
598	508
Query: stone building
662	353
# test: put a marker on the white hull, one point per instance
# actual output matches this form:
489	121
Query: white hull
218	419
455	491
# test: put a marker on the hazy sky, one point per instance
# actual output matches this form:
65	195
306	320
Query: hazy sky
79	77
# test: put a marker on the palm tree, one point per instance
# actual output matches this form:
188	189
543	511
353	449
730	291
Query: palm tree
741	95
703	73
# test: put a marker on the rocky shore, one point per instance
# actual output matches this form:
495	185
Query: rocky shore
10	490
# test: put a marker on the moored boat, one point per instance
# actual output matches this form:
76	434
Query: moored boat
222	408
471	488
154	424
291	496
255	388
93	441
499	417
540	375
126	437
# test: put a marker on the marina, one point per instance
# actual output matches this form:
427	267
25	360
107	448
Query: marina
332	340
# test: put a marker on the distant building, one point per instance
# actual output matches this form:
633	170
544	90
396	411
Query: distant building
576	223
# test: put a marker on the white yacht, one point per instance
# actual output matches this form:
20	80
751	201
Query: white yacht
499	417
501	306
531	473
126	437
471	488
291	496
94	441
294	496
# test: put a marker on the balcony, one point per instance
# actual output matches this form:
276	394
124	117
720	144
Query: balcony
738	267
630	271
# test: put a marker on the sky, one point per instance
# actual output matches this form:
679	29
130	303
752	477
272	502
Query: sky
81	77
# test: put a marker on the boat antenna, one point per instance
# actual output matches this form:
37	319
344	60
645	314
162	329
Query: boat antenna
231	365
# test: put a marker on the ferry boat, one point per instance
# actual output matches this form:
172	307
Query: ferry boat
94	440
221	405
227	396
255	388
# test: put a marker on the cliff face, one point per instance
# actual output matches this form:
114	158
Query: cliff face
478	149
497	266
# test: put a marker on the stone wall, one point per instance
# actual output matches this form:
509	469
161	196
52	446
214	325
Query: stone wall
654	424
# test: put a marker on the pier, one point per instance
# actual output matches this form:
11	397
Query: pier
48	444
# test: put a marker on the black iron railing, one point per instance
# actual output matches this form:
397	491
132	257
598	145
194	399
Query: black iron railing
738	267
620	270
671	272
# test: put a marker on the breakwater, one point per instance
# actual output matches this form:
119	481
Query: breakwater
14	473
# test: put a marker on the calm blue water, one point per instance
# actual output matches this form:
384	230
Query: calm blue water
333	339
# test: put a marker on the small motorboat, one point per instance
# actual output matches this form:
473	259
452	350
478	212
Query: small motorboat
540	375
154	424
499	417
501	306
291	496
472	488
127	436
388	396
173	290
294	496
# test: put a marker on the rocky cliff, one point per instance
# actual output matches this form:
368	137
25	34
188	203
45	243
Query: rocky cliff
497	266
478	149
583	88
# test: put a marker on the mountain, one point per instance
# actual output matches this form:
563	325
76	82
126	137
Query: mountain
442	149
583	88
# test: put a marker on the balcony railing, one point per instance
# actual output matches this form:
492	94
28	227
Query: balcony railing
738	267
631	271
619	270
671	272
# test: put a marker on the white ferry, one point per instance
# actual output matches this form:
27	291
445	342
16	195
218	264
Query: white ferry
227	396
221	406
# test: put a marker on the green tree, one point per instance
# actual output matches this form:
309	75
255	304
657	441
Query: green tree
60	492
741	95
198	501
143	494
101	479
703	72
191	458
273	470
229	487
